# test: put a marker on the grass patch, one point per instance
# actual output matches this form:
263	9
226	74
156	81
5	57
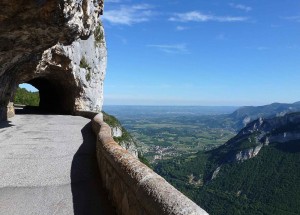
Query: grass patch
88	75
84	64
99	35
110	120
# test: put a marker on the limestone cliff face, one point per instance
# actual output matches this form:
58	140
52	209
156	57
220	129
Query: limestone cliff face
120	135
86	62
258	134
262	132
59	47
124	139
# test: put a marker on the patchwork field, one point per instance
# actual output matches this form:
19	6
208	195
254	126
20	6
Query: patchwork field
167	132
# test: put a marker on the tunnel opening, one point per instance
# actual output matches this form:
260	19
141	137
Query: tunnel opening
51	95
27	95
55	97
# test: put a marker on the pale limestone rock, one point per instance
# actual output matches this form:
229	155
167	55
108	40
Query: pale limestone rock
248	153
265	132
10	110
215	173
116	131
88	79
127	144
246	120
130	147
43	44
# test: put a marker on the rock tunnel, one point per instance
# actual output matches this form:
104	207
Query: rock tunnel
56	96
43	43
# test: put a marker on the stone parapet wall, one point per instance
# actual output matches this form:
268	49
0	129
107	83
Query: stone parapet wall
10	110
133	187
87	114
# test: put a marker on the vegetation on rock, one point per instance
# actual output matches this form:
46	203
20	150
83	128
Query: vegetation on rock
110	120
99	35
84	64
88	75
115	123
126	139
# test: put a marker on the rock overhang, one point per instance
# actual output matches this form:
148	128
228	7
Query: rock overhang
42	42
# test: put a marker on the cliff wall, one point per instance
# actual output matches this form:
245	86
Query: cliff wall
59	47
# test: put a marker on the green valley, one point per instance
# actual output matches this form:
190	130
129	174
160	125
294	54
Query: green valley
168	132
244	161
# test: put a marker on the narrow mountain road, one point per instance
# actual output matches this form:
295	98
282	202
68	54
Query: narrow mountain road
48	166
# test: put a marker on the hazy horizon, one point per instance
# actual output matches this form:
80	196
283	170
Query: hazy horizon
125	103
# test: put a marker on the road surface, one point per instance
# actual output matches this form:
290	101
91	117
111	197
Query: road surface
48	166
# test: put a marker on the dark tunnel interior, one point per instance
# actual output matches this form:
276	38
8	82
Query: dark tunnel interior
55	96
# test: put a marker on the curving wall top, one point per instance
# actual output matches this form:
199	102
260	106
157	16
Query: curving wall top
133	187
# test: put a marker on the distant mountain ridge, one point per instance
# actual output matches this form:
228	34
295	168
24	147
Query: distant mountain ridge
246	114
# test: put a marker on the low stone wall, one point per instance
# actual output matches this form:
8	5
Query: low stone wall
87	114
10	110
133	187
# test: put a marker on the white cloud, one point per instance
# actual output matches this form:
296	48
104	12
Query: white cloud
190	16
174	48
293	18
240	7
128	15
181	28
196	16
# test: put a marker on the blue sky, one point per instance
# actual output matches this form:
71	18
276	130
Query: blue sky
176	52
202	52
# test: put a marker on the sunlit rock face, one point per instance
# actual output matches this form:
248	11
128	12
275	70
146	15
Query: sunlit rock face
127	143
58	46
263	132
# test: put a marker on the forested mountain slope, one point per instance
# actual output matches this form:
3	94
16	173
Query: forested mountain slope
256	172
